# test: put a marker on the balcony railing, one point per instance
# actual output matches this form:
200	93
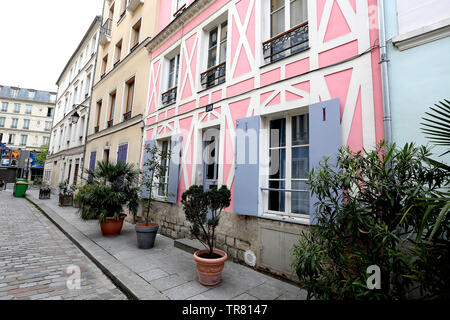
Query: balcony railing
290	42
96	129
105	32
214	76
110	123
127	116
169	97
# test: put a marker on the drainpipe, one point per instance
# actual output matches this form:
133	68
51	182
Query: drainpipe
384	74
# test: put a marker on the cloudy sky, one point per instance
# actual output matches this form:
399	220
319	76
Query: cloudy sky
37	37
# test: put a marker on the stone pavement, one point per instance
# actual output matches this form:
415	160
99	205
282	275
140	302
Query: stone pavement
35	255
166	269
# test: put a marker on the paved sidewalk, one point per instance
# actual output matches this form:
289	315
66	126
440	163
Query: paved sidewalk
165	269
35	255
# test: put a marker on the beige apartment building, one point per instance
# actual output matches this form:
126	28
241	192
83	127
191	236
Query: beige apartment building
25	117
121	82
68	138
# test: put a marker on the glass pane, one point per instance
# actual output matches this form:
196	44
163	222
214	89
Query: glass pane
277	22
223	31
277	198
276	4
299	12
278	133
277	164
223	52
213	38
300	163
212	54
300	130
300	200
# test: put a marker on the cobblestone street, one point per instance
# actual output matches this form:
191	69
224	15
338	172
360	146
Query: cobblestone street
35	256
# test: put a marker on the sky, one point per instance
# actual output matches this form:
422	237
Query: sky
37	38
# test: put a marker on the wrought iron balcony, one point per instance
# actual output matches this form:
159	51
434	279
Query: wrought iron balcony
213	76
169	97
110	123
290	42
127	116
105	32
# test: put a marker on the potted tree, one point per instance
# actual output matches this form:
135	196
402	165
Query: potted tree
44	191
66	194
113	187
203	211
155	168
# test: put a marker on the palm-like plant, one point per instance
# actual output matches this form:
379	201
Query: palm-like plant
113	187
437	125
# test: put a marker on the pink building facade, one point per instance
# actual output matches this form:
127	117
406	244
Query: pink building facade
252	94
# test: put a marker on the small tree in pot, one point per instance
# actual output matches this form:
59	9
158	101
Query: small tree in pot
44	191
66	194
153	176
203	211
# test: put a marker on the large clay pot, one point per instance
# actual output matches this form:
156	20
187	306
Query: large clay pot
146	234
112	227
210	270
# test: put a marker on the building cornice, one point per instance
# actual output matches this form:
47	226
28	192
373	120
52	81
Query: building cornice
185	17
119	127
423	35
67	152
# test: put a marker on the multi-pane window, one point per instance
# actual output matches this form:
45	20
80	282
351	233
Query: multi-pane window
48	126
29	109
16	107
31	94
288	29
14	123
112	107
99	112
45	140
118	51
136	30
217	54
170	95
23	140
50	112
289	166
5	106
130	98
14	93
163	181
2	122
104	64
26	124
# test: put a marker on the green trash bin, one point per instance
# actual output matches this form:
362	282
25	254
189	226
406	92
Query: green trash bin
20	187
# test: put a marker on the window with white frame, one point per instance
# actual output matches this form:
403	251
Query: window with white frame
217	55
26	124
31	94
288	192
48	126
288	29
45	140
14	92
5	106
14	123
29	109
23	140
16	107
2	122
163	181
12	139
178	7
170	93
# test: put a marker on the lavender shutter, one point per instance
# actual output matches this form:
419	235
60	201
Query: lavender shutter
92	163
174	169
324	137
246	176
145	192
122	153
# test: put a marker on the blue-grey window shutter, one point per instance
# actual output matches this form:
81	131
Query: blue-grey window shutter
246	176
122	153
145	193
174	168
92	162
324	137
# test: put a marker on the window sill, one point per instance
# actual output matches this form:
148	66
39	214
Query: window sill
422	35
286	218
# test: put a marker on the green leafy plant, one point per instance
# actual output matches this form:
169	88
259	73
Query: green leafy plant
371	211
154	172
113	187
203	209
41	156
437	125
65	189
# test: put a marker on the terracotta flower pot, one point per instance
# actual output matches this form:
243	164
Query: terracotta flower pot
210	270
112	227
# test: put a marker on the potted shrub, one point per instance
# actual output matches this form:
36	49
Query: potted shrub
154	171
66	194
76	200
203	211
113	187
44	191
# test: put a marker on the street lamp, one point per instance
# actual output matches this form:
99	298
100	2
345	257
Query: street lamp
75	117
